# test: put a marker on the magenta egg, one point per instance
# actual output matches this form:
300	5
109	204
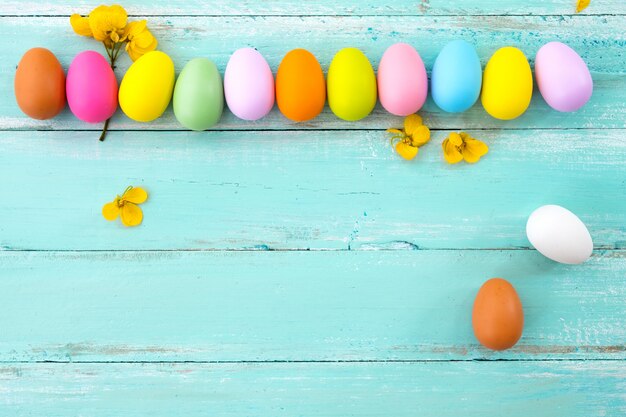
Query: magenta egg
91	87
402	80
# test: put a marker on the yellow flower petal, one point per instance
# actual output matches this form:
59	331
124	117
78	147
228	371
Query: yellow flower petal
465	136
476	147
396	131
470	157
420	135
411	123
105	20
141	44
80	25
455	139
111	210
582	5
136	195
134	28
451	152
131	214
406	151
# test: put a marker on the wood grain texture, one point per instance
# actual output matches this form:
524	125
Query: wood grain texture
472	389
304	269
321	7
601	44
304	189
300	306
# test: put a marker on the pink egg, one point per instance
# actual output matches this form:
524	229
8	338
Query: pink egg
402	80
562	77
91	87
248	84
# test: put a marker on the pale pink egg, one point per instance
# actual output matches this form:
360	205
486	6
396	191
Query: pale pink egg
402	80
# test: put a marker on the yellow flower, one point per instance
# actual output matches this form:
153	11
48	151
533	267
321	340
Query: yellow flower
103	24
582	5
126	206
408	140
80	25
140	39
461	146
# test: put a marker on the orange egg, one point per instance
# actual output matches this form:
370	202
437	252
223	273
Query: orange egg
498	317
40	84
300	86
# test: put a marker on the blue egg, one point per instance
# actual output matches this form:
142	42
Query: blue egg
456	77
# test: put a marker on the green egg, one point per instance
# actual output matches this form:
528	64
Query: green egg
199	95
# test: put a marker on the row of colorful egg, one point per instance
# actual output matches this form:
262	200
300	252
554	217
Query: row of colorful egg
300	90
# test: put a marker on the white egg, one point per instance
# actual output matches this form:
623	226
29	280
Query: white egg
559	235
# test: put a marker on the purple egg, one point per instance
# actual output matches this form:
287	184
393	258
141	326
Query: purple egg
563	77
91	87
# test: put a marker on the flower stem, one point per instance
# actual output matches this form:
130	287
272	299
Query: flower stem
104	130
112	53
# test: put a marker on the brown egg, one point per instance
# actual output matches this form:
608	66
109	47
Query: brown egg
40	84
498	317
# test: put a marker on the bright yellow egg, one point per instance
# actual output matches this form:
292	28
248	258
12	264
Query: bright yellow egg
507	84
147	86
351	85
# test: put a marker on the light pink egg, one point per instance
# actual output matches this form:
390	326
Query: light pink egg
402	80
249	84
91	87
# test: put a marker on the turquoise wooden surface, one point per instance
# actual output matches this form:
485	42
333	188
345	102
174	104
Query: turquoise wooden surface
449	389
288	269
300	305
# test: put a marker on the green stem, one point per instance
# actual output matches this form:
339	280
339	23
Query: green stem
104	130
113	53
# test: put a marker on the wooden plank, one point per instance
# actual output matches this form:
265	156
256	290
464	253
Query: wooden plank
300	306
548	389
321	7
304	190
599	39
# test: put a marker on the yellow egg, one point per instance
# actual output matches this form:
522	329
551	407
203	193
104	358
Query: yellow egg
146	88
507	84
351	85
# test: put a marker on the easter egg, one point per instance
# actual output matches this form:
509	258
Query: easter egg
456	77
300	86
351	85
497	317
146	88
40	84
199	95
91	87
249	84
559	234
562	77
402	80
507	84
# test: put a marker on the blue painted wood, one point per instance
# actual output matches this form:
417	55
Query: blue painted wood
322	7
449	389
300	306
301	190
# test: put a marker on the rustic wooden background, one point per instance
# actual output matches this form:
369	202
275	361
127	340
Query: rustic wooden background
304	269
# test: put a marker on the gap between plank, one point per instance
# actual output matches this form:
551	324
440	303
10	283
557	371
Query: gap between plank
265	248
339	129
425	15
356	361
